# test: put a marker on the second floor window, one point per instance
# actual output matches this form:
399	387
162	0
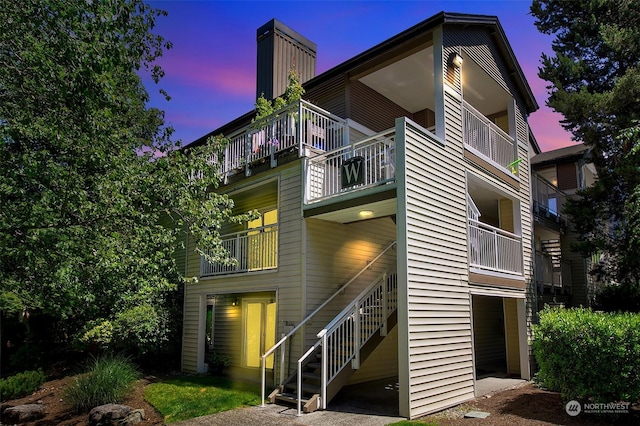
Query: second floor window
263	241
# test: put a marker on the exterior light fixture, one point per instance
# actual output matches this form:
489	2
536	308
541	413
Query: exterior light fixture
456	61
366	213
235	302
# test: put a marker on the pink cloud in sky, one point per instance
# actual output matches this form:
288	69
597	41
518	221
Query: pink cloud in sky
203	72
546	127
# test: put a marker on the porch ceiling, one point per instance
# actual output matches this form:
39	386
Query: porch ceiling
353	214
407	82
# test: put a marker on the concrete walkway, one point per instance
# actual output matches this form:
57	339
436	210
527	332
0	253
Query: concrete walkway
275	415
371	404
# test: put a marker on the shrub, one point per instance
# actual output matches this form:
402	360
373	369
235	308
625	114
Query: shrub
589	355
108	380
21	384
141	329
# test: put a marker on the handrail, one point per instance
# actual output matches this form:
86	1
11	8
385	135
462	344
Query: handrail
355	310
347	309
304	321
483	225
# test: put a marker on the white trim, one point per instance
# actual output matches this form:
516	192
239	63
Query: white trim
438	83
490	291
359	127
404	383
496	274
523	344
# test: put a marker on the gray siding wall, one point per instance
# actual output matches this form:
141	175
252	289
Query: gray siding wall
435	327
286	280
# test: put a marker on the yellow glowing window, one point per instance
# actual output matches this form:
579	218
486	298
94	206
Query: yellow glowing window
263	242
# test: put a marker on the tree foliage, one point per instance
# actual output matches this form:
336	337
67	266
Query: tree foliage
95	197
594	81
292	93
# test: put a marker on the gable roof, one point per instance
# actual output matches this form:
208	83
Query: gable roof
561	155
490	22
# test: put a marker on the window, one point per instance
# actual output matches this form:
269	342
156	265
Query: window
263	241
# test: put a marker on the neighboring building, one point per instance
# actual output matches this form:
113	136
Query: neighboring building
395	237
562	275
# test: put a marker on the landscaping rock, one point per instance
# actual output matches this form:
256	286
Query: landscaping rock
23	413
135	416
109	415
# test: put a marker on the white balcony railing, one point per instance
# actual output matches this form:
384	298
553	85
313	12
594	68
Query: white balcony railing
546	196
323	172
252	250
485	138
494	249
297	126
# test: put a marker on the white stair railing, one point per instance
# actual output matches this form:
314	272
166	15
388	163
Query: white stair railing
281	344
344	337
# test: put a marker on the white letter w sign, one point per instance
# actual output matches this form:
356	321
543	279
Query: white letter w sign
352	172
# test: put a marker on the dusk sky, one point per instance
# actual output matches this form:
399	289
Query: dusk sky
211	70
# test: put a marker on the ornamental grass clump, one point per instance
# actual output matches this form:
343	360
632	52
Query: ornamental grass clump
108	380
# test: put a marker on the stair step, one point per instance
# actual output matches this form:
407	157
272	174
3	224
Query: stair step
306	388
314	365
310	375
290	398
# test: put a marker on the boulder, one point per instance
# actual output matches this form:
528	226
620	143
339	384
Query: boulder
115	415
23	413
135	416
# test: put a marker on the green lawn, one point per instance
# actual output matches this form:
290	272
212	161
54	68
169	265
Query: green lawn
186	397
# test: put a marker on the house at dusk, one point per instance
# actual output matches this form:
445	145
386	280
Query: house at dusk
396	235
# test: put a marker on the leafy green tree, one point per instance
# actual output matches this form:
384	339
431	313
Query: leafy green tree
95	198
594	81
292	93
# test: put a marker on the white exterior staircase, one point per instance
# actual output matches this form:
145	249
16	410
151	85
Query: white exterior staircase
342	346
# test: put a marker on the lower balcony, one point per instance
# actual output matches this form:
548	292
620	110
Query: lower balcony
493	249
252	250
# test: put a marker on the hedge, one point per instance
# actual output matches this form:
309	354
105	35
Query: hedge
588	355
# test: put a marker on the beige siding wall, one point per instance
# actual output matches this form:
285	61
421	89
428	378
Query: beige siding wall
479	46
382	363
434	324
335	253
286	280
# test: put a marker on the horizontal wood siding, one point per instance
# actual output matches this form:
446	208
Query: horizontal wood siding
371	109
478	44
330	95
286	280
335	253
437	316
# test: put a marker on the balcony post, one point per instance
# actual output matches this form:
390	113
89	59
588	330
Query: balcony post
271	145
247	150
495	244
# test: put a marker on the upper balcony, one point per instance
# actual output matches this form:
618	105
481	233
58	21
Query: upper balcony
299	127
548	200
487	140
